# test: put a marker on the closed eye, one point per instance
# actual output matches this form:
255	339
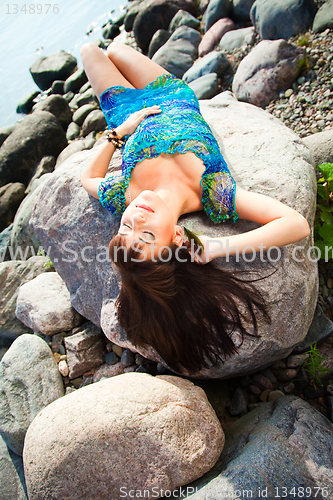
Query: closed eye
124	229
149	236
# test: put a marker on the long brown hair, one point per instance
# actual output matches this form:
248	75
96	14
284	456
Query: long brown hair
187	312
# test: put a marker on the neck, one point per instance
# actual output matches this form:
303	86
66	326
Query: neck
174	199
177	194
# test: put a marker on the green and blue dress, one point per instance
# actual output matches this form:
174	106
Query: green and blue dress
179	128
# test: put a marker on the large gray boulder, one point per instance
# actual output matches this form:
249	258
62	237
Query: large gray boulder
159	38
58	106
240	10
275	450
5	132
5	236
206	86
154	15
22	236
274	19
324	17
43	304
178	54
11	196
321	146
132	11
132	430
214	62
263	155
270	67
57	66
11	474
75	81
216	9
13	274
215	33
29	381
38	135
237	38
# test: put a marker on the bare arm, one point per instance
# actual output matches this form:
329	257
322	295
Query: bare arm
95	173
281	225
98	167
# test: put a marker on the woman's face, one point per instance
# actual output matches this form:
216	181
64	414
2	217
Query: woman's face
149	221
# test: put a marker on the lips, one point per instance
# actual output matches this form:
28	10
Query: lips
145	207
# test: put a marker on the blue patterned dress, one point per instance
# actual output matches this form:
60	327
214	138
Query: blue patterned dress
179	127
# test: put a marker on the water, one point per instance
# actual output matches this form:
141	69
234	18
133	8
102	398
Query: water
26	36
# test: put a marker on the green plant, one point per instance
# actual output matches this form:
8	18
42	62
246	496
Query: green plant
304	64
313	365
303	40
41	253
323	228
48	264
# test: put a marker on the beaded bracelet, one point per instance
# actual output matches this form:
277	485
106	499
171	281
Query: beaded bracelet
116	140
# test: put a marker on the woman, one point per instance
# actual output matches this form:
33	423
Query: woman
172	165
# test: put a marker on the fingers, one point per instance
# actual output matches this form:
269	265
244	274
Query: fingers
145	112
198	254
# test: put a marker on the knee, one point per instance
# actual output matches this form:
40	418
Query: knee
88	48
114	49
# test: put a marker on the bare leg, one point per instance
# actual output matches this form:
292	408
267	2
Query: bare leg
100	70
138	69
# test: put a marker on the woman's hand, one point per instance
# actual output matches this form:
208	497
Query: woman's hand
205	254
130	125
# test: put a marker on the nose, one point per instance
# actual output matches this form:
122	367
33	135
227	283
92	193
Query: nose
139	218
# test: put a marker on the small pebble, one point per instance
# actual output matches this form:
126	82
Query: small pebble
62	350
63	368
111	358
109	346
254	389
144	368
139	360
161	368
262	381
238	403
69	390
56	342
267	372
274	395
127	358
295	360
76	382
86	381
287	374
57	356
279	365
288	389
264	395
118	350
130	369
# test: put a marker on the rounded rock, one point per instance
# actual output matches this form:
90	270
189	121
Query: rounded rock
63	368
274	395
43	304
154	432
